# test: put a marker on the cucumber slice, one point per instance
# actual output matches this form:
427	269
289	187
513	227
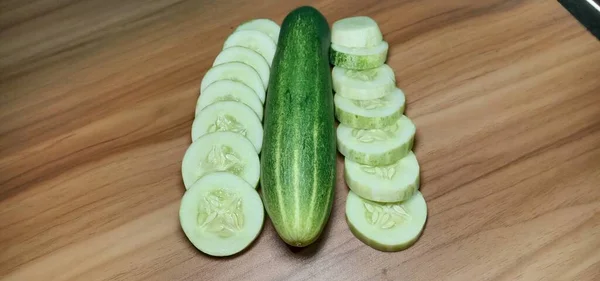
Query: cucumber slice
254	40
236	71
370	114
359	58
229	90
356	32
386	227
229	116
266	26
247	56
391	183
364	84
221	214
220	152
377	147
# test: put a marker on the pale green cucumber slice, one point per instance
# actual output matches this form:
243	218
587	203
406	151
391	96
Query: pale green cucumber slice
247	56
363	84
359	58
356	32
386	227
254	40
390	183
377	147
221	214
220	152
229	116
370	114
229	90
236	71
266	26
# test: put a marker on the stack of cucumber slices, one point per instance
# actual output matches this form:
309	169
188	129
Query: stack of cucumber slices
221	212
384	208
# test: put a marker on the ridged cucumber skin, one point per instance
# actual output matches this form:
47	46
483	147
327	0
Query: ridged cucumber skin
298	160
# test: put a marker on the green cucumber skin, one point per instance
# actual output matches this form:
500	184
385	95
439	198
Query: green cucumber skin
298	161
357	62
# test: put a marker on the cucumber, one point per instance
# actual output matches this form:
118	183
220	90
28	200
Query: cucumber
356	32
229	116
377	147
221	214
236	71
298	159
370	114
229	90
359	58
220	152
391	183
386	227
254	40
247	56
266	26
364	84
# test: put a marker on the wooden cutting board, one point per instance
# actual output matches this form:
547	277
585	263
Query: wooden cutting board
97	99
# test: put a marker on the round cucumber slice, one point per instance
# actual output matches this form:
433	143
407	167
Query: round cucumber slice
247	56
370	114
229	90
356	32
391	183
254	40
359	58
386	227
236	71
229	116
221	214
377	147
266	26
220	152
364	84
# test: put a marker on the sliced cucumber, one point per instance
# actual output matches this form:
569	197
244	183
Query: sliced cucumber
221	214
229	90
377	147
359	58
229	116
254	40
386	226
220	152
370	114
236	71
247	56
356	32
364	84
266	26
391	183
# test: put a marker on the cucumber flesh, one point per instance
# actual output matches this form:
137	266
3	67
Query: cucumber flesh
266	26
236	71
229	116
386	226
254	40
356	32
377	147
247	56
220	152
229	90
370	114
221	214
391	183
359	58
363	84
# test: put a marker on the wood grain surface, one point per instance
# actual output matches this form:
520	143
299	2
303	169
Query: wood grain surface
97	99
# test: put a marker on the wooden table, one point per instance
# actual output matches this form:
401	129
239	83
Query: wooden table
97	99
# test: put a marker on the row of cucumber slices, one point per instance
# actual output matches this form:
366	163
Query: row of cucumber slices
384	208
221	168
